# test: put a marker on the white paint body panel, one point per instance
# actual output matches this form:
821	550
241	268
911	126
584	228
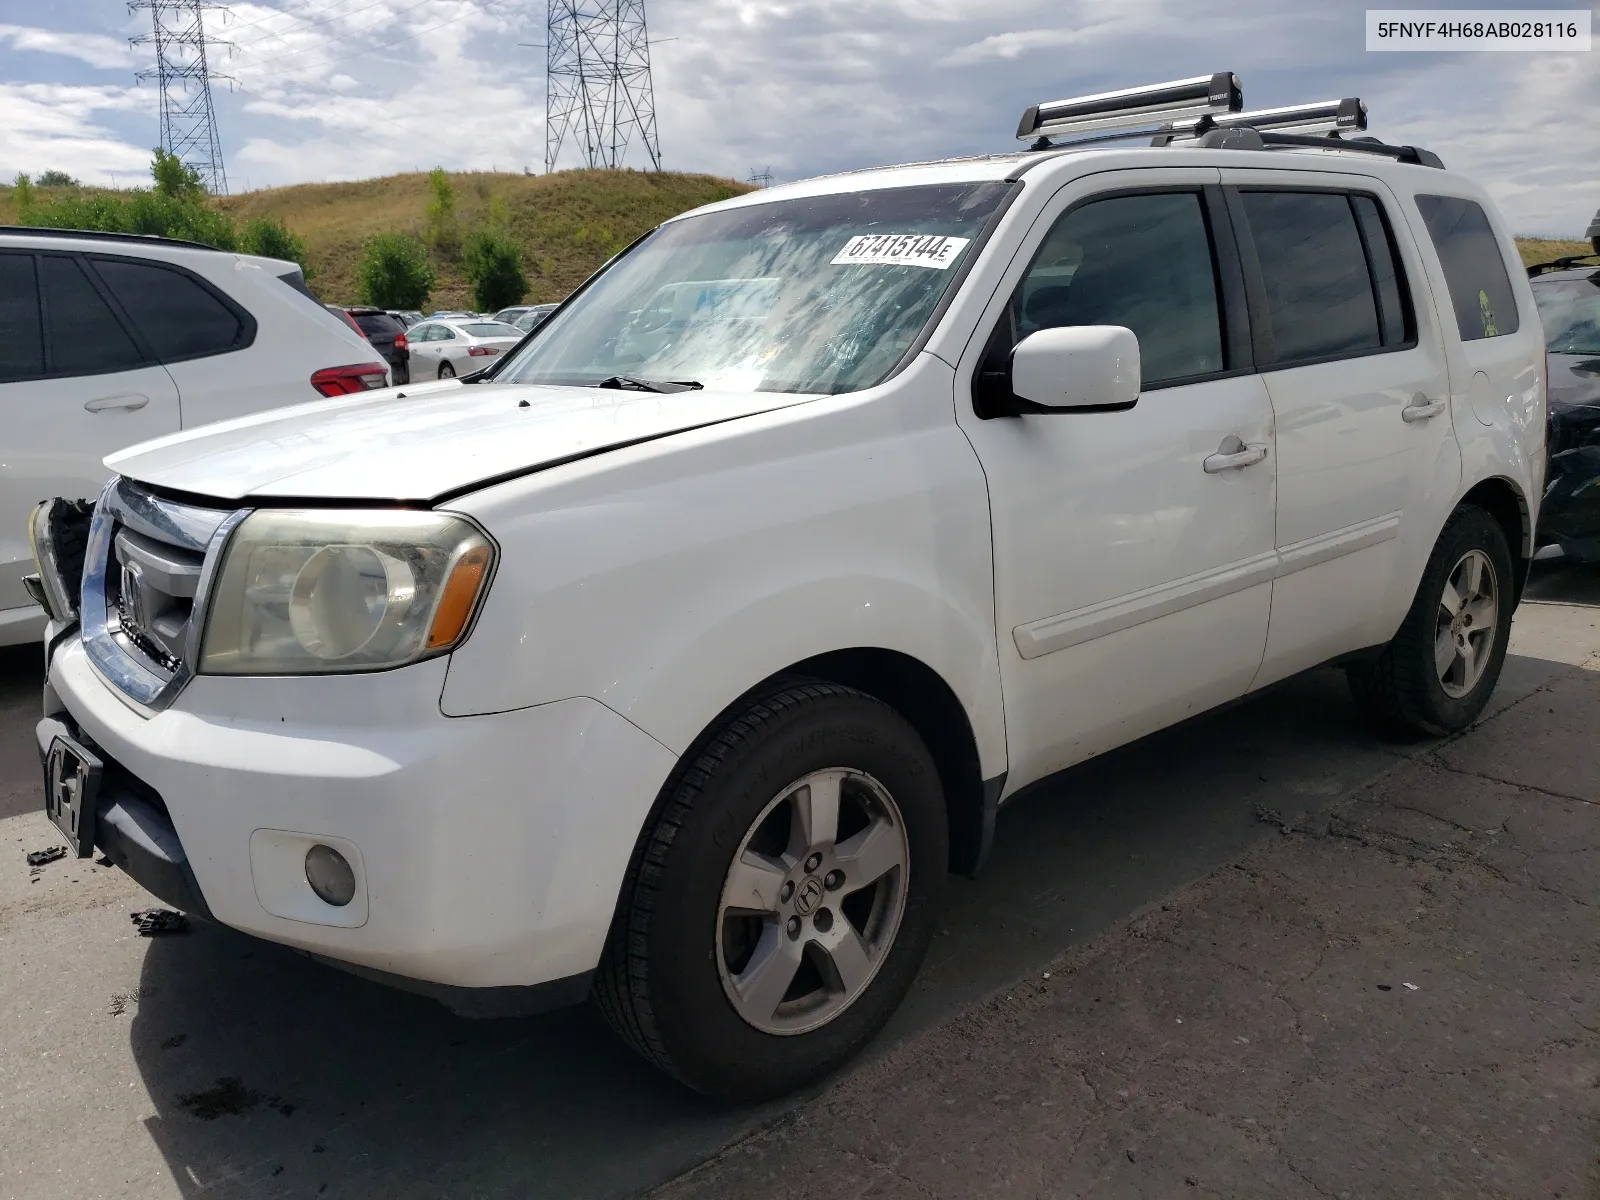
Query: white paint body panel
1076	579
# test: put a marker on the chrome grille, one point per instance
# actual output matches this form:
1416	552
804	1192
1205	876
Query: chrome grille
147	571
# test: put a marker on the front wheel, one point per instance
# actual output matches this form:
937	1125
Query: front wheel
782	901
1436	674
446	371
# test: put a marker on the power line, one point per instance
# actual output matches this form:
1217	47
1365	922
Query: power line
598	86
188	120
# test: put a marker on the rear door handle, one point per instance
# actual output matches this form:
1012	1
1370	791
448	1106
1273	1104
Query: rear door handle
128	400
1421	409
1233	454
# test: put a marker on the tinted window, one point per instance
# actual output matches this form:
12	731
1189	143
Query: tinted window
1480	289
1394	311
176	315
83	336
492	329
21	338
442	333
1318	295
1143	262
381	324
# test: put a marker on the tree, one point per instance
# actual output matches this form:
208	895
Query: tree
57	179
443	232
22	192
174	180
394	272
494	268
269	237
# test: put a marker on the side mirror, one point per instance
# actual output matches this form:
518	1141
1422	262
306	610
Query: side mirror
1093	367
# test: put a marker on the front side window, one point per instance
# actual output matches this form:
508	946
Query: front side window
1570	311
1480	290
1140	261
82	334
1320	302
176	316
814	294
21	335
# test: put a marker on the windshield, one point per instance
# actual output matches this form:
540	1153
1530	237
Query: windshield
1570	310
821	294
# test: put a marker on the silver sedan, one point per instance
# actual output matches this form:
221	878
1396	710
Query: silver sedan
446	349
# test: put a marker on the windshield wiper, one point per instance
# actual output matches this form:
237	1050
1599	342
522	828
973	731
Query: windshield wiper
631	383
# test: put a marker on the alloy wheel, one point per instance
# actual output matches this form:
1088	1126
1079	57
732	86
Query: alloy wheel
813	901
1464	631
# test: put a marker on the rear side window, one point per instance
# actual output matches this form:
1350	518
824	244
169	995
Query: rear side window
1395	318
1319	296
21	333
82	334
1480	289
177	317
378	323
1140	261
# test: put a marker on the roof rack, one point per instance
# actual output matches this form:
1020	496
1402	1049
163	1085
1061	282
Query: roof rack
1206	111
44	231
1133	108
1565	263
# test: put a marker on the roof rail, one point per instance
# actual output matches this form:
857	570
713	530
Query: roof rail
44	231
1415	155
1565	263
1133	108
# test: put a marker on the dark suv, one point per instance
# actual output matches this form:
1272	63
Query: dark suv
1568	294
387	334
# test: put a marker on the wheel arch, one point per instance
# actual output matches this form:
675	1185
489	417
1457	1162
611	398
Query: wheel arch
1504	501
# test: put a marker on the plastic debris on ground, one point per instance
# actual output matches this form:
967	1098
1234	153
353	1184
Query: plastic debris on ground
38	858
154	922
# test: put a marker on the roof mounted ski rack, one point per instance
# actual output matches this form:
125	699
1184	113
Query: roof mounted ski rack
1329	117
1565	263
1161	104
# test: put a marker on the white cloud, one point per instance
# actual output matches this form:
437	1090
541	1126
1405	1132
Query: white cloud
60	127
97	50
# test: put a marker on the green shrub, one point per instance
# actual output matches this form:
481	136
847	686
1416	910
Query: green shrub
442	230
22	192
174	180
55	179
394	271
494	268
269	237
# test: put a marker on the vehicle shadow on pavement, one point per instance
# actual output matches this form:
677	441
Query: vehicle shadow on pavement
272	1074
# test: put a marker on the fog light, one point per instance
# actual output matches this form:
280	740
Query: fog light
330	875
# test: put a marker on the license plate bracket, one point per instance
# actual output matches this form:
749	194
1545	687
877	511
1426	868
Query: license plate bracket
71	789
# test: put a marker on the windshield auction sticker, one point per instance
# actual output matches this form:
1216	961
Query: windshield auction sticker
901	250
1478	29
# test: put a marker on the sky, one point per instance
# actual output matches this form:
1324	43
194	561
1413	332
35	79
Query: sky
349	89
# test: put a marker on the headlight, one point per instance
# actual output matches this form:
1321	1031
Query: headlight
308	591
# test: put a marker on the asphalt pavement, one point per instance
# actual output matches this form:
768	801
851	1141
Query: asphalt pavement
208	1064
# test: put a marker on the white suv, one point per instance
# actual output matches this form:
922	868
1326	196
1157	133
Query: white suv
109	339
680	659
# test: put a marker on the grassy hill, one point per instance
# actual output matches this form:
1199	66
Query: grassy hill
567	223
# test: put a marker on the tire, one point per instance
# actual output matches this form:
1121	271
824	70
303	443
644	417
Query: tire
446	371
1404	690
679	953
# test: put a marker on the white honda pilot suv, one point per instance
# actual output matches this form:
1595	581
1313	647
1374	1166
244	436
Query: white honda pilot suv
678	659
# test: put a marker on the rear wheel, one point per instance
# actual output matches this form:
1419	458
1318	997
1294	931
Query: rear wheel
783	899
1437	673
446	371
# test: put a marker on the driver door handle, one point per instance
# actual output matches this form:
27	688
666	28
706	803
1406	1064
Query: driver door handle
1233	454
128	400
1421	408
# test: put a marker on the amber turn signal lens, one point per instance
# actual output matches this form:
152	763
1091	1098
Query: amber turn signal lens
460	594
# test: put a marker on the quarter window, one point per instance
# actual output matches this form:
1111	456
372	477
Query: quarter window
21	337
1319	295
82	334
1140	261
177	317
1395	318
1474	269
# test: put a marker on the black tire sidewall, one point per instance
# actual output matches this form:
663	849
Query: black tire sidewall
712	1048
1472	529
446	371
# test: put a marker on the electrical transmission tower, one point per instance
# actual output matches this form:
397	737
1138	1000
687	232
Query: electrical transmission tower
188	120
761	178
597	83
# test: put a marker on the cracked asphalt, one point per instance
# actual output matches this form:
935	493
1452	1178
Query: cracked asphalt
1261	954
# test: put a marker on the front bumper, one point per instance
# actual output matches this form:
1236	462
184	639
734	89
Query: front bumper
489	850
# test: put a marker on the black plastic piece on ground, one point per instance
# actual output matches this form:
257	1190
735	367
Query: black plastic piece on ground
38	858
155	922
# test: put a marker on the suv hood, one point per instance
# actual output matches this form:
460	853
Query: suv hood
420	443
